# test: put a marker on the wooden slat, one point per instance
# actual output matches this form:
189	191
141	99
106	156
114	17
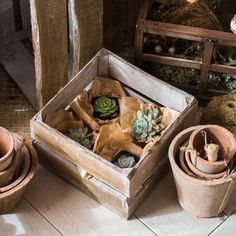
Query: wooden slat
172	61
85	24
7	23
25	220
25	13
49	31
73	213
206	61
20	65
191	33
139	32
200	94
144	84
223	68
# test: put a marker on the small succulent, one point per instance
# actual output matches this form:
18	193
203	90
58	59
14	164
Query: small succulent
105	106
147	124
81	136
125	161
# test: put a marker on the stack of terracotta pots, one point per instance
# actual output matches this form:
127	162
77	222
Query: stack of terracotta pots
18	161
203	163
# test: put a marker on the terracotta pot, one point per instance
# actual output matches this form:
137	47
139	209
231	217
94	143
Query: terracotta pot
203	175
25	162
7	175
10	198
6	148
202	198
218	135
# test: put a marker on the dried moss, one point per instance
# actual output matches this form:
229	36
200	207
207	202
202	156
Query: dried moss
221	110
199	14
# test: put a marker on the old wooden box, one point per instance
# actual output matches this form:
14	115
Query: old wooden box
67	158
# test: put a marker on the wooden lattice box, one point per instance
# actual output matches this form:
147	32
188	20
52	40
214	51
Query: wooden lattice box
204	67
122	190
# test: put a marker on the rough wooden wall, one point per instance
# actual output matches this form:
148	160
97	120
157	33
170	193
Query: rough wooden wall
119	22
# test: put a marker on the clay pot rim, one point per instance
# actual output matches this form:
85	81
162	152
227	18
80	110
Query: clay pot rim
11	149
206	162
28	177
202	174
10	167
172	159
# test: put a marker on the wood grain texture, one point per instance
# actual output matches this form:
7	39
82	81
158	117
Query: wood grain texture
20	65
49	32
25	220
120	17
86	31
172	61
25	14
206	61
102	193
7	22
73	213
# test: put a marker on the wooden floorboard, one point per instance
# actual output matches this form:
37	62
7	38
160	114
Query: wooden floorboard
74	213
228	228
162	213
25	220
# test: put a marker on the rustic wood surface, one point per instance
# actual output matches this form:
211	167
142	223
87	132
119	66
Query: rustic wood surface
49	32
54	207
86	31
125	181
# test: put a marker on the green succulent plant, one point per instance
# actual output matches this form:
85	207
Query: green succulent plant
81	136
147	124
105	106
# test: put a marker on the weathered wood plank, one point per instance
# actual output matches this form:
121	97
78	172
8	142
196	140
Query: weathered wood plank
120	17
7	22
20	65
174	61
86	27
49	32
206	61
25	220
223	68
191	33
25	14
73	213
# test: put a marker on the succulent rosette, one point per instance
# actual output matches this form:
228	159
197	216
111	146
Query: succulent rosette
81	136
106	107
147	124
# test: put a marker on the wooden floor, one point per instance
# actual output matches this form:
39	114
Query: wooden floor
53	207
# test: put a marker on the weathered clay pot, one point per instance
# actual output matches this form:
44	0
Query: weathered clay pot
9	199
202	198
7	175
203	175
218	135
6	148
24	167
